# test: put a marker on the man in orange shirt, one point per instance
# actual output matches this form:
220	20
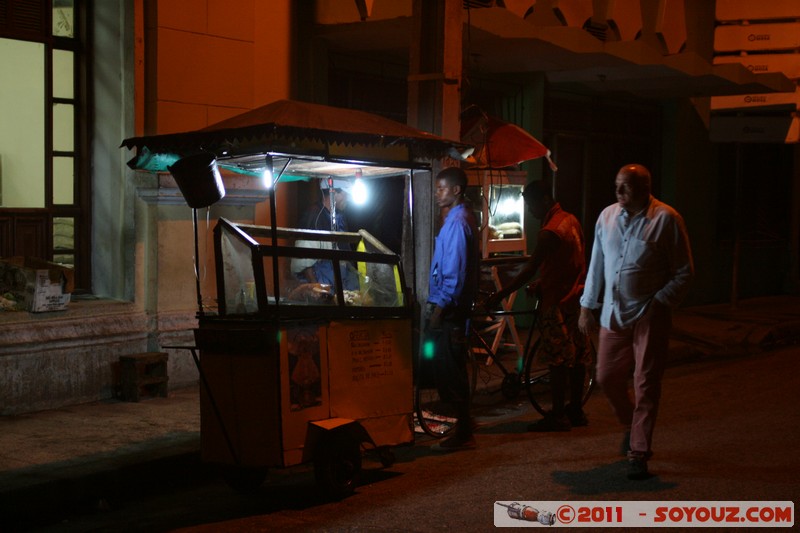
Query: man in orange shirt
560	259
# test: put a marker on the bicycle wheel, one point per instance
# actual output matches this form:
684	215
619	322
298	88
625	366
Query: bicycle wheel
434	416
489	371
537	380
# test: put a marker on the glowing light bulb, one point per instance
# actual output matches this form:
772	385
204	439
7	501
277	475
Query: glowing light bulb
510	206
359	193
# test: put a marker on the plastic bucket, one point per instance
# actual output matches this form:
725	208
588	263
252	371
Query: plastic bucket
198	179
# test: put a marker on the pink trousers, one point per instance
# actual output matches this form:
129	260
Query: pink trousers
642	350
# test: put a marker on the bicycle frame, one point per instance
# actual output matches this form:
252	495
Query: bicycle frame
512	381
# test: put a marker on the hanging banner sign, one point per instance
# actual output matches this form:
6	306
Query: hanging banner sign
788	64
769	36
755	129
730	10
788	101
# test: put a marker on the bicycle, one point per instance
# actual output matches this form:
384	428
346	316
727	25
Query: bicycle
536	378
434	416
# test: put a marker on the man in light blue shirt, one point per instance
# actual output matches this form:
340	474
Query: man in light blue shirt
452	287
640	269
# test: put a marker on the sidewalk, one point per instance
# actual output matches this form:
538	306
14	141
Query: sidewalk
79	457
754	325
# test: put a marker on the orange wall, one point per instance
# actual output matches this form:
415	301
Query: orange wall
207	60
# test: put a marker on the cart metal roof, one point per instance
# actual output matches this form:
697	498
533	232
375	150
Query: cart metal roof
305	140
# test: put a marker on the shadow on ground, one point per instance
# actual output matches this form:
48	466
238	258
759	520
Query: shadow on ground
609	478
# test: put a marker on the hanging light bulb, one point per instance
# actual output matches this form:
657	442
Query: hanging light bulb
510	206
266	176
359	194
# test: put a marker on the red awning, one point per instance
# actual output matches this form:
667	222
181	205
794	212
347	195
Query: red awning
499	144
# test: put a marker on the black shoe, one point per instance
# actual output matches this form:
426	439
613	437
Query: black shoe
637	468
550	423
454	444
577	418
625	445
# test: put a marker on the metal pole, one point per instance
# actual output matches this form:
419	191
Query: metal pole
332	203
273	220
197	263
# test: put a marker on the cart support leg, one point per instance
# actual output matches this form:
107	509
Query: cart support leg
214	406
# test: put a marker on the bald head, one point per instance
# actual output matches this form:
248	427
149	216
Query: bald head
633	185
638	174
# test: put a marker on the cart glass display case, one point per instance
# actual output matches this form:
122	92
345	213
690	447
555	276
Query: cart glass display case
354	274
497	198
505	212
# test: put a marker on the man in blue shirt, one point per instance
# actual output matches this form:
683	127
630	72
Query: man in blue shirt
452	288
640	269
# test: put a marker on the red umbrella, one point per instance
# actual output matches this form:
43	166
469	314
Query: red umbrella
499	144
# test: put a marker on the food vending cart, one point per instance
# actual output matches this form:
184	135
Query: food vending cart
318	376
294	372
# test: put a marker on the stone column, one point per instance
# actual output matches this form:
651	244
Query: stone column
434	105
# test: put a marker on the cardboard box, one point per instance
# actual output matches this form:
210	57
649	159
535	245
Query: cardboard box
35	285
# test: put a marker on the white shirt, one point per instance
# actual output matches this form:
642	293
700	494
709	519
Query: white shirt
635	260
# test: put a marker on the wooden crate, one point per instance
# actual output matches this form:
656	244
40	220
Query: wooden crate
143	375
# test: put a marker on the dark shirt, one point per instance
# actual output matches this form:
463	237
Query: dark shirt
563	271
318	217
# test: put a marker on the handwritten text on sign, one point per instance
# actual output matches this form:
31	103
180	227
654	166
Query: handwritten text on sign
372	353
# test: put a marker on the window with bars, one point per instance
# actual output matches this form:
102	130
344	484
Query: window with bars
43	181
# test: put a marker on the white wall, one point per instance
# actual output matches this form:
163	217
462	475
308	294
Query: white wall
112	185
21	106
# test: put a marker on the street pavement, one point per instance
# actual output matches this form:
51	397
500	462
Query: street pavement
75	460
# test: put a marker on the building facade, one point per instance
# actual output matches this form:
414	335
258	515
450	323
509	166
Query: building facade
602	84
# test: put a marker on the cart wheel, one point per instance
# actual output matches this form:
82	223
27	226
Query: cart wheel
337	463
243	479
387	457
511	385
